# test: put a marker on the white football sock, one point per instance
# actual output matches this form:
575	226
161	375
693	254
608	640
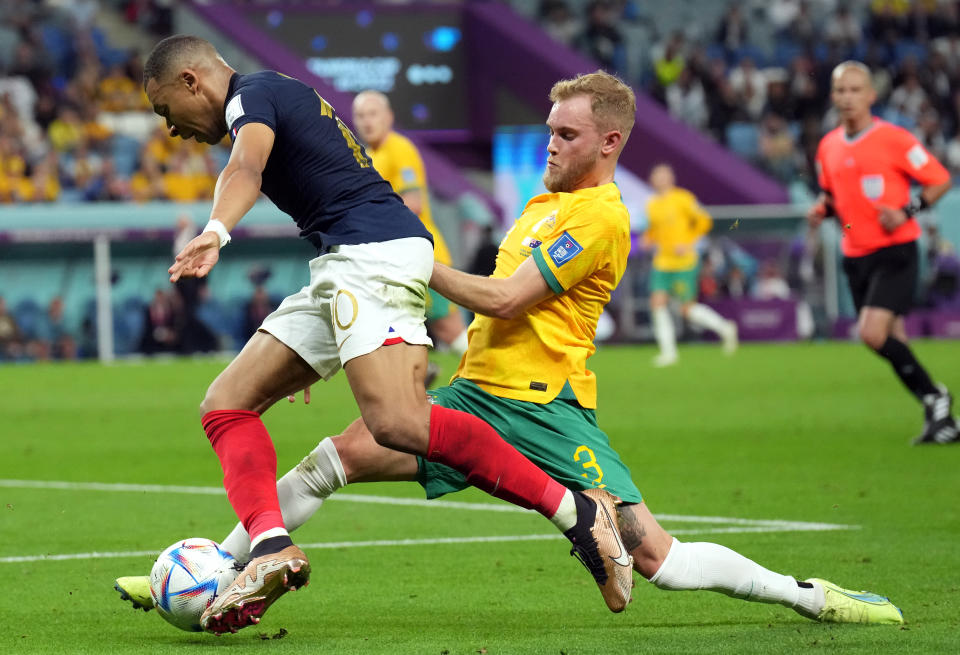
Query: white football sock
301	491
663	331
692	566
705	317
566	516
459	345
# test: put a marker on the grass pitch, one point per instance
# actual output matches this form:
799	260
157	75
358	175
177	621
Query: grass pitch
791	437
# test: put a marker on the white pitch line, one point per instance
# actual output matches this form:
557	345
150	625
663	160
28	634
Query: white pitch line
774	525
383	543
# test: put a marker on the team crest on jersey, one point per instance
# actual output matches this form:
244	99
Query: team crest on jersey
872	186
564	249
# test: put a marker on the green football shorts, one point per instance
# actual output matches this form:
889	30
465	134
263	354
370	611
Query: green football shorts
682	285
437	306
560	437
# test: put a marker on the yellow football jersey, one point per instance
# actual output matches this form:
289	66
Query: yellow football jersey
676	220
580	242
399	163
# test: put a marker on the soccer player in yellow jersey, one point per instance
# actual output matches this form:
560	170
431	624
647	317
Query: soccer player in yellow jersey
676	224
399	163
525	372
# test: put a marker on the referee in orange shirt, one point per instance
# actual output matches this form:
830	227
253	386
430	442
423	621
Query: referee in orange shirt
865	167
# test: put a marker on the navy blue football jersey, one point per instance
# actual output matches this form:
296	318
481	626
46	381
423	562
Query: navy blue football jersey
317	172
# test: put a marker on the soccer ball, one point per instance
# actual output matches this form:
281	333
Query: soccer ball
186	579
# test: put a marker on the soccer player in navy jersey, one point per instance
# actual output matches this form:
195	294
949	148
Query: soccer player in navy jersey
363	310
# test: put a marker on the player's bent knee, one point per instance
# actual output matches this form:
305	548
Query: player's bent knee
393	431
872	337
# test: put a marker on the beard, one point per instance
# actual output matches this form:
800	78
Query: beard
565	180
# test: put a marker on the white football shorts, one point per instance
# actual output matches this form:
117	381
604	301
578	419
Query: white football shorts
360	297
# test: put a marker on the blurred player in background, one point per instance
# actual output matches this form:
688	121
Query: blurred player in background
525	371
398	161
362	311
865	167
677	222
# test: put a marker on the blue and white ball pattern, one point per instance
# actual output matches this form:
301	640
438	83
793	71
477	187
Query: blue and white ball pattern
187	577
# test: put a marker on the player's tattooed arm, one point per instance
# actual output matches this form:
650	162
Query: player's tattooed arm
631	530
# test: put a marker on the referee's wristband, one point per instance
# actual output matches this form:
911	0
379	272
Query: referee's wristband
221	230
915	206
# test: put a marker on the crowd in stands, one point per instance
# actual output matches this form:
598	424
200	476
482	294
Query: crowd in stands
758	78
75	123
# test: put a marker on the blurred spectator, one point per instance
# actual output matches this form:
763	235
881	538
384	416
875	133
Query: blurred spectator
52	339
736	285
777	148
42	185
160	331
802	30
722	101
843	31
750	87
11	346
951	157
66	131
781	14
559	22
669	63
195	336
686	100
770	283
708	285
732	33
258	308
930	134
909	99
107	185
779	100
601	40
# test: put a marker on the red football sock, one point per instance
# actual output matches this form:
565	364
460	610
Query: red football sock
469	445
249	467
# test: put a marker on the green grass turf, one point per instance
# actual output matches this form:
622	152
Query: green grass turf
806	432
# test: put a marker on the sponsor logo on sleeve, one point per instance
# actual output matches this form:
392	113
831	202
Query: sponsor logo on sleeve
564	249
408	175
233	111
917	157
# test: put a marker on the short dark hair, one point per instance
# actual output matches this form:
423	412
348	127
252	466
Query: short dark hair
169	51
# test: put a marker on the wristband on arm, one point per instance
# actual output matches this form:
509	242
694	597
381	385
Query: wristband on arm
915	206
220	229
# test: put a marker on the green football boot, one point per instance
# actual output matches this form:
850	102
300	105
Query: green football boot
136	589
846	606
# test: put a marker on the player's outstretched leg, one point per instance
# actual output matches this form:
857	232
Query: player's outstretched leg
301	492
940	425
597	544
846	606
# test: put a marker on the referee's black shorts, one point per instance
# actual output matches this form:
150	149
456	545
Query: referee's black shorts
886	278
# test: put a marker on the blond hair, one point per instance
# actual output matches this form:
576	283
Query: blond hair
613	103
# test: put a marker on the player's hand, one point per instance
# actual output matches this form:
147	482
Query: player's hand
816	213
306	397
891	217
682	250
197	257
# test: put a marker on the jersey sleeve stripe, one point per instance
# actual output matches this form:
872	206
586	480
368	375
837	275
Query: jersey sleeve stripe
545	271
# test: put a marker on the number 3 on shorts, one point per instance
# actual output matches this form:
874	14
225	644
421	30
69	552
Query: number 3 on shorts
583	452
